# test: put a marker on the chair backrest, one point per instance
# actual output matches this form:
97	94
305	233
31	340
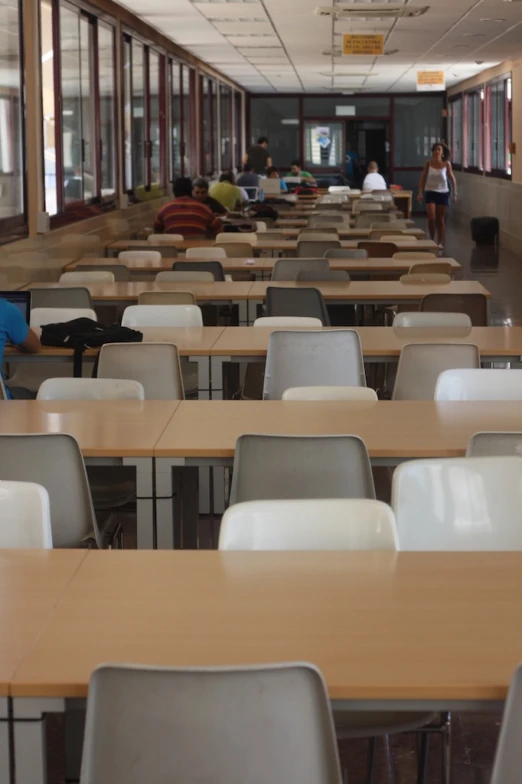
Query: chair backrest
177	276
164	239
138	256
318	235
400	239
420	365
119	271
384	234
345	253
240	236
338	189
371	220
42	316
475	305
378	250
315	248
90	276
311	358
3	393
368	206
65	297
215	267
313	524
288	269
394	224
278	723
260	226
331	206
288	321
166	298
495	444
405	255
464	503
236	250
431	268
25	516
275	467
296	302
136	316
53	460
508	756
324	275
205	253
90	389
433	320
320	220
155	365
479	384
330	393
437	278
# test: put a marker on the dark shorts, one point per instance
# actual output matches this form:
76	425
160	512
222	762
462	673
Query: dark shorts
436	197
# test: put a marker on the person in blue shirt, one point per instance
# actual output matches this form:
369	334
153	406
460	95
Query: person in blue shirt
273	174
14	328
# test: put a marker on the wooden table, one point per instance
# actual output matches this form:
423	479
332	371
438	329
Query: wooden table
344	232
165	264
302	222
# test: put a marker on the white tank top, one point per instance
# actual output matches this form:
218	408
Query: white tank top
437	180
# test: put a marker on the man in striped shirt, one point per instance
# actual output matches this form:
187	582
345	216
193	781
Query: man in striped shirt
185	215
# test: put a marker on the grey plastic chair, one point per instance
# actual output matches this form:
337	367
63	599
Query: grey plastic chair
155	365
160	724
320	220
315	248
495	444
65	297
319	233
312	358
345	253
268	467
508	757
475	305
120	271
325	275
421	363
237	250
53	460
166	298
288	269
296	302
215	267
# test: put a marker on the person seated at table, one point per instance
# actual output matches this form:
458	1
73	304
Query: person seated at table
273	174
184	215
14	328
200	193
248	178
373	180
296	171
227	193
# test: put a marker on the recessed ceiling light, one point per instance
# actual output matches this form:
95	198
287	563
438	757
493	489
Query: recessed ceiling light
488	19
373	11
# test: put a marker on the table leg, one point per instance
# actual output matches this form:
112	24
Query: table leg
145	500
5	757
29	737
216	376
204	387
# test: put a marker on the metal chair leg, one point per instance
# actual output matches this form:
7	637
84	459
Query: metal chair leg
422	768
372	755
445	744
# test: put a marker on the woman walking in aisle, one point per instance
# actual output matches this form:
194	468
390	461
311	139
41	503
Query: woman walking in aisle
434	188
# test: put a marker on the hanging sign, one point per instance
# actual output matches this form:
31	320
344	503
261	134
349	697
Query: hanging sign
431	80
369	45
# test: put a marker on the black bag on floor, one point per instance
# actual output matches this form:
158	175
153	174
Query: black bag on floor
83	333
484	231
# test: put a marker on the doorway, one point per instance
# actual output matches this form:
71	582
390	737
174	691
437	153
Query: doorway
370	141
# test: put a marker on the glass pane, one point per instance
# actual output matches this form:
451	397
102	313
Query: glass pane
11	155
127	114
493	113
324	145
48	125
175	110
226	140
138	115
71	106
214	125
155	134
107	109
187	77
457	132
205	116
278	120
501	126
238	129
88	114
417	126
346	106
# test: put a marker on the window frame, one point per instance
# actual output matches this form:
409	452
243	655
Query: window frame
507	113
477	94
186	119
454	100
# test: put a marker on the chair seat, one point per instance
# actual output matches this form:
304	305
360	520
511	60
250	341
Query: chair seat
368	724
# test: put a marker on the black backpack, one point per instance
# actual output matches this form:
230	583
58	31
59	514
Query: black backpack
82	333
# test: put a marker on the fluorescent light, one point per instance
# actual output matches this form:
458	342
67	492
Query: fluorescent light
289	122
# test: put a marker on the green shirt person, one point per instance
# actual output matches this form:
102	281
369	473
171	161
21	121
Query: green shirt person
296	171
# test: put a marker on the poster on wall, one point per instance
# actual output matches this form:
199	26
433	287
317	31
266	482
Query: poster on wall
428	81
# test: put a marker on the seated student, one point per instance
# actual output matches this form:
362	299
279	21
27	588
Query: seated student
185	215
296	171
248	179
273	174
373	180
227	193
14	328
200	193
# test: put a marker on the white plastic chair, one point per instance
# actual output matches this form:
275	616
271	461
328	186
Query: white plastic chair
330	393
42	316
479	384
137	316
432	278
182	276
206	253
433	320
338	189
467	503
260	226
420	365
318	524
140	256
25	516
508	756
495	443
289	321
164	239
90	389
248	237
155	365
96	276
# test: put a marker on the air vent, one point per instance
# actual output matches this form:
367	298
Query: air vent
370	12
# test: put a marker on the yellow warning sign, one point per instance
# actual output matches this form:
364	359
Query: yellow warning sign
363	44
431	80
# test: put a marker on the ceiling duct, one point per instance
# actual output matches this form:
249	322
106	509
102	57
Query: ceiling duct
372	12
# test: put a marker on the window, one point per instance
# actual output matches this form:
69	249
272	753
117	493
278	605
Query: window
11	125
181	118
79	107
473	123
238	129
225	120
188	83
206	126
277	118
498	127
417	125
456	127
